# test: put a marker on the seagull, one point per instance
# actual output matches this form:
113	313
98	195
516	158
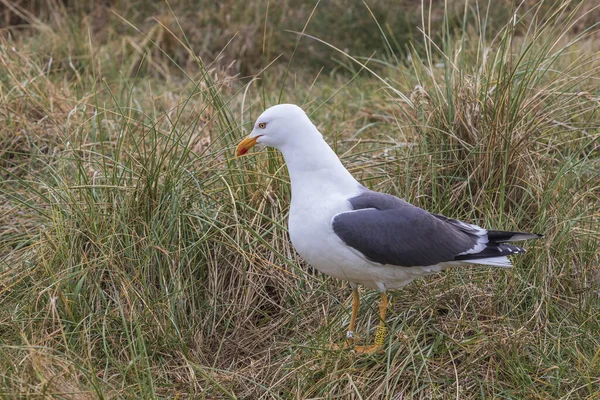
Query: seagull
367	238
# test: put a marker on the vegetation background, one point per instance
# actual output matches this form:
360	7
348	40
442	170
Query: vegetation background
140	259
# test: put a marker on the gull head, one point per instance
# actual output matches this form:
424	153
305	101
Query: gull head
280	126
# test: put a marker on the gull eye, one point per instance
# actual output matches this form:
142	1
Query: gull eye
262	125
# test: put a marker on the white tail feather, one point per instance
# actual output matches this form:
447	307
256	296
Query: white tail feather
503	262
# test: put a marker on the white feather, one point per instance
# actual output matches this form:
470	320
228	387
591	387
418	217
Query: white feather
495	261
482	240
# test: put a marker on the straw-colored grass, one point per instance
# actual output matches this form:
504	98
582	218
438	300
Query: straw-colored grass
140	259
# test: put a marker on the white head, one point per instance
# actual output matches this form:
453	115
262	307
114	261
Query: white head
309	158
280	126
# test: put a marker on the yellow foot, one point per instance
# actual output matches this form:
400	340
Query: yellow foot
371	349
379	341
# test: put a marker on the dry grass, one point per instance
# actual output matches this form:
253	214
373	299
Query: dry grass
139	259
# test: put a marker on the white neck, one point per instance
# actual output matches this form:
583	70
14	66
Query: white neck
314	167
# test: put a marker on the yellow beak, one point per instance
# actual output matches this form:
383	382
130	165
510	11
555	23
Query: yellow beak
245	145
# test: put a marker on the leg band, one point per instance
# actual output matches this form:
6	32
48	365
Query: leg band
380	335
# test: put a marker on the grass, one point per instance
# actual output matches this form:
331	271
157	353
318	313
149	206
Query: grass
140	259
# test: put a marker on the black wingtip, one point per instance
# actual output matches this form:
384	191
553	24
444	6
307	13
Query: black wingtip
508	236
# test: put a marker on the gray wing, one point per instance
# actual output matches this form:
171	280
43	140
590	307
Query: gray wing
388	230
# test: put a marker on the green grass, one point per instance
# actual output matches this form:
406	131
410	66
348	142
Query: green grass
140	259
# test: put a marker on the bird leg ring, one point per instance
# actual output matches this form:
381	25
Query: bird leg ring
380	335
381	329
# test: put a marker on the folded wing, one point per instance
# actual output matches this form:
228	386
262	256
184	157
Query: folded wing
388	230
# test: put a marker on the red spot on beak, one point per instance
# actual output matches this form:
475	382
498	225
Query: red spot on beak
246	145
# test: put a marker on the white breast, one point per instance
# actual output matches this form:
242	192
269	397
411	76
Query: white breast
312	235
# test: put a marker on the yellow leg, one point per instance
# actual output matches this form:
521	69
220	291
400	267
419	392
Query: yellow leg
381	329
350	332
355	306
